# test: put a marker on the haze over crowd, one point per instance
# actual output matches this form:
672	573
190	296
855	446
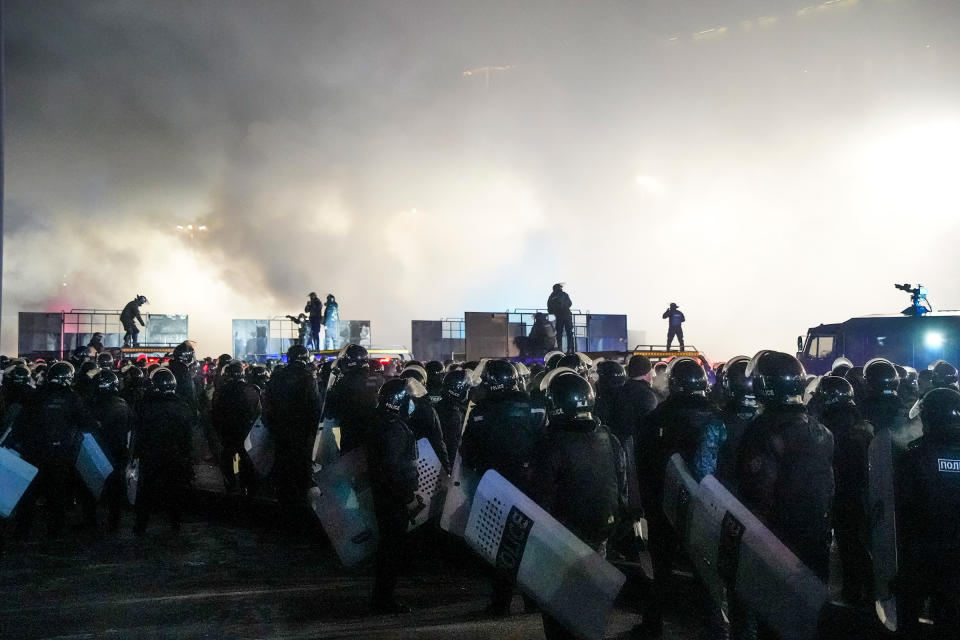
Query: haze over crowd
767	165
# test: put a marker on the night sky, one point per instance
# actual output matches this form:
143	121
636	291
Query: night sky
766	165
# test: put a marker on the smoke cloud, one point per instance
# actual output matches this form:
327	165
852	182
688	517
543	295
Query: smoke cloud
765	165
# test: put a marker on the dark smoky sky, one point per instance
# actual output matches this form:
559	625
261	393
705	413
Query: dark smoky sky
767	165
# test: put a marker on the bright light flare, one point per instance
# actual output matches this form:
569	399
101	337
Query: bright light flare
933	340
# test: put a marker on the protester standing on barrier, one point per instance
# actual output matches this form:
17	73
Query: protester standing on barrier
129	317
314	311
675	320
331	323
559	304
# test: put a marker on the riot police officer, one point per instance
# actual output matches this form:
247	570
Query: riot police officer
292	413
53	431
236	405
688	423
162	443
580	470
452	408
739	410
611	376
852	436
784	471
424	422
929	522
501	433
634	400
116	423
353	397
392	457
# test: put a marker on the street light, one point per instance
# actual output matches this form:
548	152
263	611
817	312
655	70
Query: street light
191	230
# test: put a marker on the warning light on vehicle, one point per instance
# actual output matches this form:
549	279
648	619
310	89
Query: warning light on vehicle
933	340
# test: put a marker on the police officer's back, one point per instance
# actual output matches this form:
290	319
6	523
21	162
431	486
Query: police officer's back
235	406
929	473
116	421
738	410
633	401
502	430
353	397
784	469
611	376
392	459
162	443
424	421
580	470
452	408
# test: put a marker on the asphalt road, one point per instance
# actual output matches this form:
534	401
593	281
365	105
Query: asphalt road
230	576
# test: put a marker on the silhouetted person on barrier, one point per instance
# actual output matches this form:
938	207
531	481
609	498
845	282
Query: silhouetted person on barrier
129	317
675	328
559	305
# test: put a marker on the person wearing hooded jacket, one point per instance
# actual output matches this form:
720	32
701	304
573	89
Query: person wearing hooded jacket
579	471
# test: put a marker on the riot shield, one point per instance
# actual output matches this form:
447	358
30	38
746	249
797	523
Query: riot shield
93	465
733	551
883	525
260	448
16	474
343	502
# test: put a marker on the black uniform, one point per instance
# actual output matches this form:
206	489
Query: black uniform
852	436
292	413
52	433
690	425
128	318
352	402
314	311
634	400
929	528
425	423
451	414
737	415
392	458
785	477
162	443
674	326
559	305
580	479
501	434
116	422
236	404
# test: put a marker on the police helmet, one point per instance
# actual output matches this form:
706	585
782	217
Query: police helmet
523	372
552	360
105	361
88	369
18	374
375	365
880	377
60	374
258	375
576	361
498	376
610	375
352	357
141	299
686	375
569	395
855	377
298	353
909	381
834	391
778	378
132	372
435	371
164	381
415	372
457	384
940	411
233	371
736	384
944	374
106	381
81	354
398	396
184	353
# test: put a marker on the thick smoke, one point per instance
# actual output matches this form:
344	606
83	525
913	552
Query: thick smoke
768	176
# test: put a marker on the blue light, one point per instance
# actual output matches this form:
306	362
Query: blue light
933	340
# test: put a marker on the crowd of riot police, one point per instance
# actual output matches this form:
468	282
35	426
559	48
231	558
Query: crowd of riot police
588	441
